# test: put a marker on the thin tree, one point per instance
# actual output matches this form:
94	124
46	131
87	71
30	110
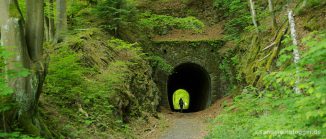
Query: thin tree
46	21
296	54
46	28
271	10
253	15
51	21
61	21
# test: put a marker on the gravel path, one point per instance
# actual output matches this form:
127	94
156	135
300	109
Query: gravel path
185	126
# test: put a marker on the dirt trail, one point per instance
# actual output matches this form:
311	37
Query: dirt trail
186	125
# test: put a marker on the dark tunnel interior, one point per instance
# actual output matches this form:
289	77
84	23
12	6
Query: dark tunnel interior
195	80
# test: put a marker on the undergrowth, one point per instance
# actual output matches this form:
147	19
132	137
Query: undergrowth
93	97
7	103
162	24
276	111
236	14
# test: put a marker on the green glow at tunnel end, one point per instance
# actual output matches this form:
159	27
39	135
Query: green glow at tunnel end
181	94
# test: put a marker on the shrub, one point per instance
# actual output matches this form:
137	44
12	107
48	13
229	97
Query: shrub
65	75
237	15
116	13
162	24
158	62
17	135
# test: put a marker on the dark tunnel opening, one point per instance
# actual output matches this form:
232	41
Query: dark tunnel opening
193	78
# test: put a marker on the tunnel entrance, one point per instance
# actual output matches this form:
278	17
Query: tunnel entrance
193	78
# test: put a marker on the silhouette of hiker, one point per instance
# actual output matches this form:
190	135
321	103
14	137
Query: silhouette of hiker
180	100
181	103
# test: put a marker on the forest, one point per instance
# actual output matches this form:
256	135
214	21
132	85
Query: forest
165	69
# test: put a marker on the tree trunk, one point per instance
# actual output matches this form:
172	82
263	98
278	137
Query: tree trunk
271	10
46	22
27	52
35	28
296	54
51	21
46	29
61	20
23	90
253	15
4	13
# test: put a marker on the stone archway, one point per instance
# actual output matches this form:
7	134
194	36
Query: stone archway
201	58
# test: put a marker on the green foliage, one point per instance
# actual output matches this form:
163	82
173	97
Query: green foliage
264	116
22	7
105	96
4	88
65	75
308	5
314	4
160	63
75	7
237	15
70	90
80	14
311	67
162	24
116	13
131	68
16	135
314	59
101	100
126	51
7	103
227	67
277	112
5	75
47	10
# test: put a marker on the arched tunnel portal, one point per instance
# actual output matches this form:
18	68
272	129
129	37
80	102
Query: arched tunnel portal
196	80
196	69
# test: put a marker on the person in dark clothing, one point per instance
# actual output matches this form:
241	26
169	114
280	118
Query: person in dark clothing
181	103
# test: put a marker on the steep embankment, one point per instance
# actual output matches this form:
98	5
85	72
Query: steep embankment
268	106
95	86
